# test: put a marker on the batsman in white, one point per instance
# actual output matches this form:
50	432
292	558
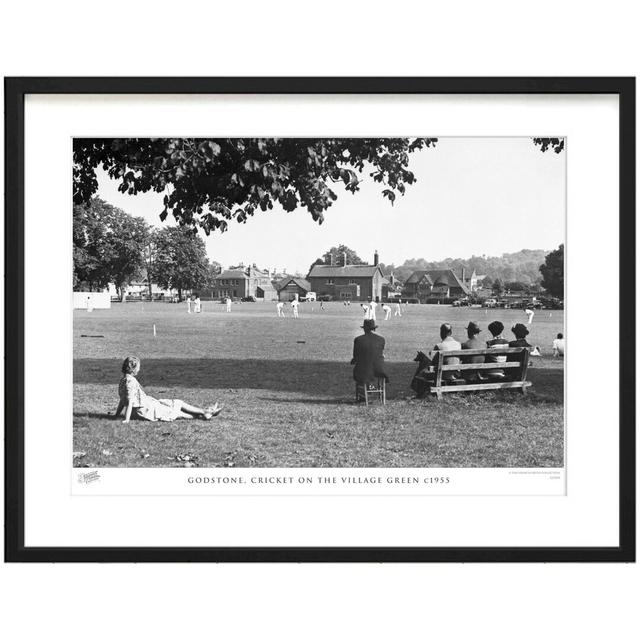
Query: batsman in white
387	311
398	311
294	307
530	315
280	309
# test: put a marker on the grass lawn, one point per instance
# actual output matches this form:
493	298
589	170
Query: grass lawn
287	391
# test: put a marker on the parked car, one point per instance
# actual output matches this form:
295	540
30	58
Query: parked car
248	299
490	303
325	298
552	303
410	300
311	296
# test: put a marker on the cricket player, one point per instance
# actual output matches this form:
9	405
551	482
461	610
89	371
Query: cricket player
188	304
228	304
366	310
280	309
372	309
530	314
398	311
294	307
387	311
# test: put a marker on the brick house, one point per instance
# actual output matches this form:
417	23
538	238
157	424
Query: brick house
358	282
243	282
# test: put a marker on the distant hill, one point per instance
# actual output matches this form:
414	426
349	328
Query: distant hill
522	266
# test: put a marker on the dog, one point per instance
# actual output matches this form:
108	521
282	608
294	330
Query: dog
420	383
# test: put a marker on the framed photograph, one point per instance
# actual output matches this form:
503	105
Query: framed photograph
320	319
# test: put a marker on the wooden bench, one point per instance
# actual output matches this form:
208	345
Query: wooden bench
515	370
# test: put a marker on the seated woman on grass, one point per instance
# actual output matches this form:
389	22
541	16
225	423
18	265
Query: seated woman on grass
138	404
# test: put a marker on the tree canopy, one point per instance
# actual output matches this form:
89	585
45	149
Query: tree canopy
553	272
179	260
557	144
210	181
108	245
522	266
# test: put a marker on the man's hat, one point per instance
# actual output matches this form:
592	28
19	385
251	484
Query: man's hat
474	327
369	324
519	330
496	328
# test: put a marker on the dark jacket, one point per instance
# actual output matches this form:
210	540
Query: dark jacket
368	358
520	342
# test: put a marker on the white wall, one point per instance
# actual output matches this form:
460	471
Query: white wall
91	299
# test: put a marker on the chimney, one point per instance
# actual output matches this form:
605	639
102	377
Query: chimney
462	275
375	258
344	258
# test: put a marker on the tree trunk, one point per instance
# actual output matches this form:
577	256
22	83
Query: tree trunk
179	294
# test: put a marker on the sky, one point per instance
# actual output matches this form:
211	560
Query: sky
473	196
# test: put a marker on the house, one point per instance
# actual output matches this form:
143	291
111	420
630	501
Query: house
475	281
291	286
435	285
243	282
358	282
391	288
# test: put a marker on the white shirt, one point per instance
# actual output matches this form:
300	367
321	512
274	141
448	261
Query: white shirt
558	345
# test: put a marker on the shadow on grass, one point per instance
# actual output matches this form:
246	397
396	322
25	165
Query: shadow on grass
313	377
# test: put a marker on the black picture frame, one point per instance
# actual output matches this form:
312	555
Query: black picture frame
15	91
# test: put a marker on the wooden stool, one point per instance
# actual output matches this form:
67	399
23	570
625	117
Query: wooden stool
380	390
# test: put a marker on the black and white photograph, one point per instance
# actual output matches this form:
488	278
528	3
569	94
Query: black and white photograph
319	302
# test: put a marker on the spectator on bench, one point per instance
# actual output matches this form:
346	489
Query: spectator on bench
521	332
425	375
497	342
473	342
448	343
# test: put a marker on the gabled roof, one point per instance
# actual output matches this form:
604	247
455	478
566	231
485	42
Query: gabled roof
417	276
447	277
350	271
301	282
444	277
231	273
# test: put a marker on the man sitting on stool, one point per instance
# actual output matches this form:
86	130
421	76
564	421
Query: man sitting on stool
368	356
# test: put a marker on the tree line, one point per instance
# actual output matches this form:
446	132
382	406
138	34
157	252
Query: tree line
111	246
